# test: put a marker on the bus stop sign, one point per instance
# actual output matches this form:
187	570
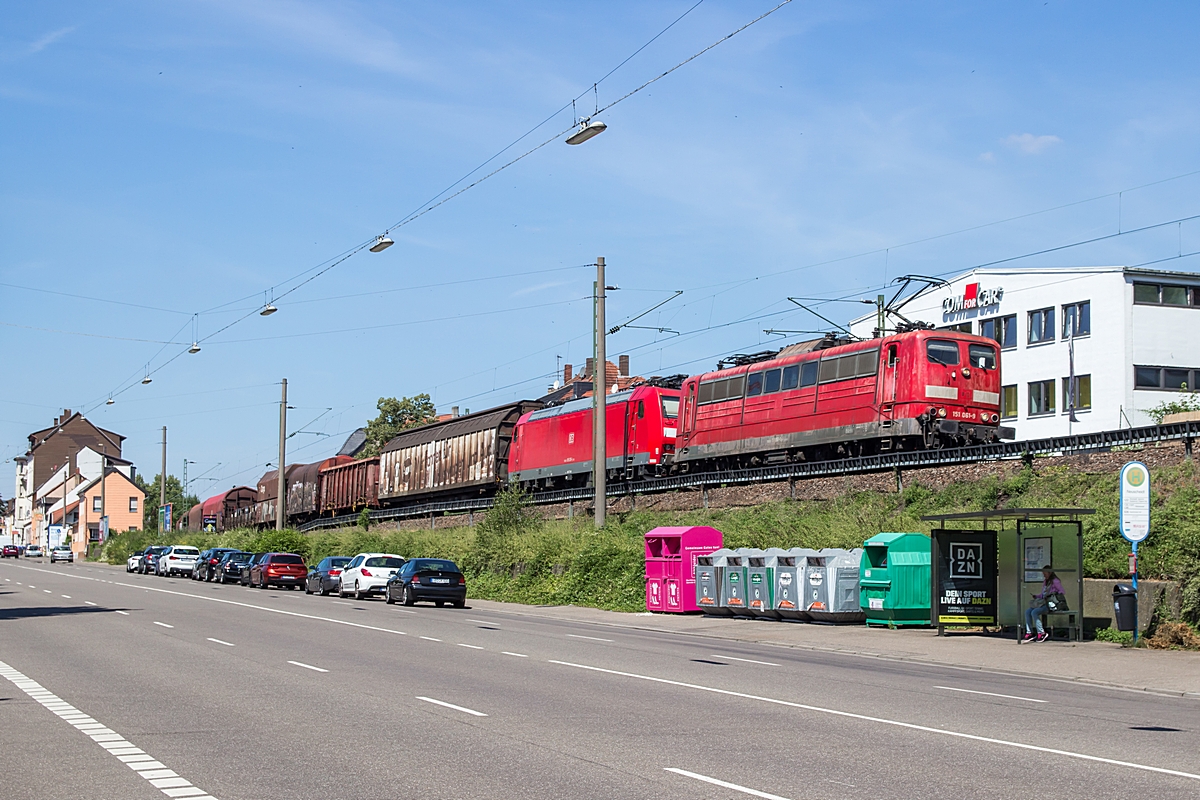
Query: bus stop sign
1135	501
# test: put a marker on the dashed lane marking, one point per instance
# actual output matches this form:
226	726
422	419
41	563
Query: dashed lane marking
123	613
746	660
592	638
89	602
444	704
67	596
724	784
218	641
518	655
430	639
154	772
307	666
163	624
472	646
882	721
990	694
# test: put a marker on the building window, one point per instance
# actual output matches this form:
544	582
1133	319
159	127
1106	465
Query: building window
96	504
1041	326
1083	393
1165	295
1077	319
1002	329
1008	401
1170	379
1041	398
133	505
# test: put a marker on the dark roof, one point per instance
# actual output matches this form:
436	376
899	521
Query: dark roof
1024	514
355	442
580	405
109	471
458	426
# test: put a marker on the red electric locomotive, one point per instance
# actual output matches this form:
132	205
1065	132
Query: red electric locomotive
915	390
552	447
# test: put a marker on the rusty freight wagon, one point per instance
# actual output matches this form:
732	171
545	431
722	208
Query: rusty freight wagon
268	490
303	488
347	487
222	512
460	456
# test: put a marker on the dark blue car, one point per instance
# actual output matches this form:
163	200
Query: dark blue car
438	580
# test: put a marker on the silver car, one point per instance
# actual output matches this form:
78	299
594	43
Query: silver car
62	553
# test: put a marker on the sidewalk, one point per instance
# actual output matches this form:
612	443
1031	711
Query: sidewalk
1100	663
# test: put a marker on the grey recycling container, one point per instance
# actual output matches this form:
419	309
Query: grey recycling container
1125	607
832	586
708	584
799	556
743	610
731	566
760	583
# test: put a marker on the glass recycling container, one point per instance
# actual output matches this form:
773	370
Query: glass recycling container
710	582
831	586
895	579
760	583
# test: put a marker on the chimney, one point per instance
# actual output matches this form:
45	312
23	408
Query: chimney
568	371
56	422
589	369
624	366
453	411
66	414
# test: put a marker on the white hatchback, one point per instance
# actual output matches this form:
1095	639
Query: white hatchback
177	560
368	573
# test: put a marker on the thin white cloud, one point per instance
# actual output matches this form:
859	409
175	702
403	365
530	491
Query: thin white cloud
537	288
989	156
49	39
1033	145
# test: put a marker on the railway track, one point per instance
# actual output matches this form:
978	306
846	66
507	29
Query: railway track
1055	445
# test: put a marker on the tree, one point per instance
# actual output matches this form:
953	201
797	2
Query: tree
395	416
1187	401
181	504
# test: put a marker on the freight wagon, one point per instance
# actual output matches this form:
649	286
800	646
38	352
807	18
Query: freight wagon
347	487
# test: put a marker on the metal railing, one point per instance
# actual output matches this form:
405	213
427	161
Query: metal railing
915	459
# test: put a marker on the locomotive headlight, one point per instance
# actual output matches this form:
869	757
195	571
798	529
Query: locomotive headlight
941	412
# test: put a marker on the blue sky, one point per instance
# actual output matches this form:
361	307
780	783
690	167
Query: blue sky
191	158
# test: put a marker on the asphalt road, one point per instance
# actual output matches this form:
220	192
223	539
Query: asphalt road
115	685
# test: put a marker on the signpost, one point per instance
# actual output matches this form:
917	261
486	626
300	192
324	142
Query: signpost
1135	513
164	517
964	578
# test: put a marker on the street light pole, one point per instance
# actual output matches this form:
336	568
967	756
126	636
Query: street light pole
599	403
281	488
162	481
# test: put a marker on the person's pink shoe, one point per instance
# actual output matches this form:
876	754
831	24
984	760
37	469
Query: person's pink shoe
1041	637
1028	637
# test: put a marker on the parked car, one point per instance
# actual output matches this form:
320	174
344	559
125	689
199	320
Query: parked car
367	574
34	551
244	575
325	577
131	563
230	566
178	559
150	558
62	553
433	579
206	564
10	551
278	569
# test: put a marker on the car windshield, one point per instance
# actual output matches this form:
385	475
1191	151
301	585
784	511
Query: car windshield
186	551
435	565
287	559
386	562
335	563
238	557
158	548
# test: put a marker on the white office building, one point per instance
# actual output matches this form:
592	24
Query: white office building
1135	334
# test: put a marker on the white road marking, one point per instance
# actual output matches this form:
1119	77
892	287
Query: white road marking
163	624
89	602
518	655
481	622
430	639
123	613
47	591
472	712
242	605
218	641
992	694
154	772
724	784
883	721
472	646
747	660
593	638
342	603
66	596
308	666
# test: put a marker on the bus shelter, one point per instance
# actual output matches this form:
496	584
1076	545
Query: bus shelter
987	565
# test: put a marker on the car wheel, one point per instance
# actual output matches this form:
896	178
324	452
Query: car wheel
307	590
341	593
358	595
387	596
460	603
322	590
407	598
262	582
439	603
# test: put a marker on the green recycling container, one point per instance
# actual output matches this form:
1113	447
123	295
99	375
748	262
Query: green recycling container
894	579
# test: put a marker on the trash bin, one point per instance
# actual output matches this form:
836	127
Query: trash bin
895	579
670	574
800	556
760	583
733	581
1125	607
832	582
708	586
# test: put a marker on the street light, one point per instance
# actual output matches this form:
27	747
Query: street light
587	129
268	310
147	379
195	348
381	243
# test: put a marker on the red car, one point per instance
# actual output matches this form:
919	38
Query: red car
278	569
910	391
552	447
11	551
